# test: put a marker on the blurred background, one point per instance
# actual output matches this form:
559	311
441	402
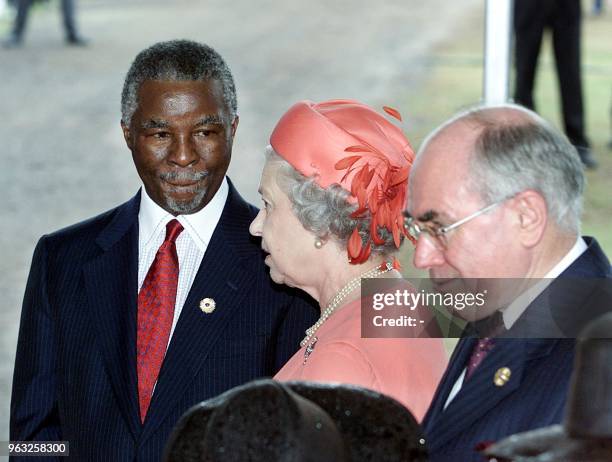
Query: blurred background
63	154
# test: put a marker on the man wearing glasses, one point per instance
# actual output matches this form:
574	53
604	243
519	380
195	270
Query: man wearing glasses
497	193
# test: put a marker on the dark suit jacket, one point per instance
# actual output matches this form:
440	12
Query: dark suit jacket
75	370
534	396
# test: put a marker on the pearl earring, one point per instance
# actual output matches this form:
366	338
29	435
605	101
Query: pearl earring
318	243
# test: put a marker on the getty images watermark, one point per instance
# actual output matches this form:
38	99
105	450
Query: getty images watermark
514	308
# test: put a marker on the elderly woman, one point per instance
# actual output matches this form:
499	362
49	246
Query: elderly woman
334	187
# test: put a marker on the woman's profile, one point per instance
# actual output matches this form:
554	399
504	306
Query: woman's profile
334	186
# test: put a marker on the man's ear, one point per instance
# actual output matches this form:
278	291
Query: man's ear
234	126
127	135
532	213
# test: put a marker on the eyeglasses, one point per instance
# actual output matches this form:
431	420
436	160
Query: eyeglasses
439	233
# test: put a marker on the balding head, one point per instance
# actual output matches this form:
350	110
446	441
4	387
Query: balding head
513	149
506	184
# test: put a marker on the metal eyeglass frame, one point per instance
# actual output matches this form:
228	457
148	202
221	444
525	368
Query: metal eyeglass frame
415	230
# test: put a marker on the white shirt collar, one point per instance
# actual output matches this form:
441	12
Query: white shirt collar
518	306
200	225
578	249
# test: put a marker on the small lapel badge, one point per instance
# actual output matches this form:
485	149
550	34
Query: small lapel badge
502	376
207	305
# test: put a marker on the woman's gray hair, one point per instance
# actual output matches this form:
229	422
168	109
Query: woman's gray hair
517	150
325	212
177	60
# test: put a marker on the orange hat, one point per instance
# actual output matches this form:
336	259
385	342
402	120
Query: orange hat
348	143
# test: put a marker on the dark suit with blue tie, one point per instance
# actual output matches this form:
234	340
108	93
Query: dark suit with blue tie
533	397
75	372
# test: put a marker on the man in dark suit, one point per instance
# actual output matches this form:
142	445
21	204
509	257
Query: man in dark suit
496	193
563	17
135	315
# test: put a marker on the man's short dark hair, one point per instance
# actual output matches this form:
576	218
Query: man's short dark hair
176	60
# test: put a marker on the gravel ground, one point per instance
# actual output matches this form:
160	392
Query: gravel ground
64	157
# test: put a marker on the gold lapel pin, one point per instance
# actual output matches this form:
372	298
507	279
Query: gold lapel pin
207	305
502	376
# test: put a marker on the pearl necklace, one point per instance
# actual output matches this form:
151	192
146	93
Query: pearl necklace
339	298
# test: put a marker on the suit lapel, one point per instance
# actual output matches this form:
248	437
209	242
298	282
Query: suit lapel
111	281
456	365
479	394
223	276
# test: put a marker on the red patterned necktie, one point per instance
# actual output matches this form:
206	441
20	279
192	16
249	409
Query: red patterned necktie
155	313
480	351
